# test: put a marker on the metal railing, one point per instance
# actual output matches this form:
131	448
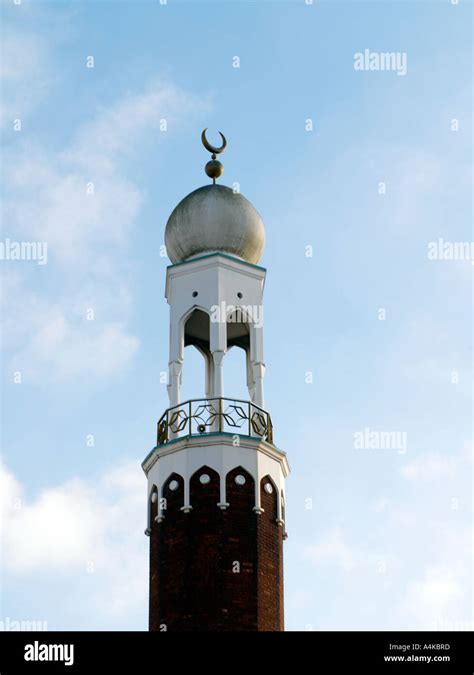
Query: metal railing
211	415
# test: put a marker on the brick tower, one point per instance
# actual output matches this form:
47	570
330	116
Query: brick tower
216	493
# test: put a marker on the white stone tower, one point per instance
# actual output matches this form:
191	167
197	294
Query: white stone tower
215	478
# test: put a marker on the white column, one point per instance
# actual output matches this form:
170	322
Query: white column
187	506
257	364
279	518
258	375
223	505
258	504
161	503
250	382
209	375
218	357
218	346
175	368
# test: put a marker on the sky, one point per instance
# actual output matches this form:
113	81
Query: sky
355	173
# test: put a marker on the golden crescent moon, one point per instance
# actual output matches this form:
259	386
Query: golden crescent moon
210	147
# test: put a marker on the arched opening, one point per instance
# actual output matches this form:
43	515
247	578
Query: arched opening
173	496
197	329
237	367
240	492
152	507
193	375
204	489
236	374
197	369
269	497
238	331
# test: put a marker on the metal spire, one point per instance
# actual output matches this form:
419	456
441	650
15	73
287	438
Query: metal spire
214	168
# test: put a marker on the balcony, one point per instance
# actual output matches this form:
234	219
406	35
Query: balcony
214	415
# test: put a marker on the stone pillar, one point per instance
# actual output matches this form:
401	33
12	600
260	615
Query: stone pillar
218	373
258	374
175	368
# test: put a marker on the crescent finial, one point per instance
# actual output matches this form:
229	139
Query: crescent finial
212	148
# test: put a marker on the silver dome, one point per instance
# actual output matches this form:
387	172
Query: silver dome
214	218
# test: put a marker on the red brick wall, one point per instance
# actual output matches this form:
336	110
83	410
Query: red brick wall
153	526
214	569
169	562
270	557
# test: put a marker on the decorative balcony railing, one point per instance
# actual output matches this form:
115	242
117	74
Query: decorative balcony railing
211	415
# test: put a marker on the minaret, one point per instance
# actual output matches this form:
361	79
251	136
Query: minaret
216	480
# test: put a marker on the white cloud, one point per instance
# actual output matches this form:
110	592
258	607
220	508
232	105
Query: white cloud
428	352
380	504
439	597
434	596
89	531
25	74
54	341
113	132
430	467
437	466
333	551
419	177
47	195
73	352
80	229
87	236
410	567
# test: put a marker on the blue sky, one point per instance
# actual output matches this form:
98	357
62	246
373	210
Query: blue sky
378	538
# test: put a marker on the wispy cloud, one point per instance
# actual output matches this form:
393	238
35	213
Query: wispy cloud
333	550
430	467
89	531
439	596
414	549
81	202
25	74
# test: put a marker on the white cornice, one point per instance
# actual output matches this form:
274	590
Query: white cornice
212	261
210	440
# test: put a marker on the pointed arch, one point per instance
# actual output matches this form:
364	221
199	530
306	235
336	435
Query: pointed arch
194	327
238	331
194	331
172	494
152	507
240	490
204	488
269	497
238	328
